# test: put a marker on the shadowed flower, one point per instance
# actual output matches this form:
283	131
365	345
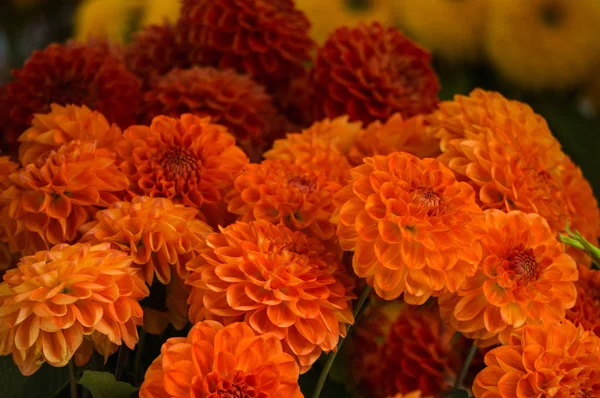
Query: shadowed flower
396	135
525	277
275	280
222	361
413	228
370	73
64	124
160	237
586	311
51	199
188	160
56	297
560	361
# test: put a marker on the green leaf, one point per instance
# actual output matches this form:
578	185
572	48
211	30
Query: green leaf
46	382
455	393
104	385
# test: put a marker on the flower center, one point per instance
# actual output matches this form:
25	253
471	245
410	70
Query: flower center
179	162
303	184
236	385
582	394
428	200
522	265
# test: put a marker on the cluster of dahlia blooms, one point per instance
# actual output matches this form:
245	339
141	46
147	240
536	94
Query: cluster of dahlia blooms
251	200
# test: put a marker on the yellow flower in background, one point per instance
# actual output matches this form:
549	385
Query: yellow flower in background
156	11
326	15
449	28
544	44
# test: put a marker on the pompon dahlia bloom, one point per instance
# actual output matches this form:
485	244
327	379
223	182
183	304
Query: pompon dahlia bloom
51	199
161	238
299	196
396	135
370	73
266	39
560	361
525	277
544	44
56	297
413	228
69	74
230	99
64	124
188	160
222	361
586	311
275	280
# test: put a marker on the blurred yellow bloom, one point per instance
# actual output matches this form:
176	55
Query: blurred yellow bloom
544	44
326	15
157	11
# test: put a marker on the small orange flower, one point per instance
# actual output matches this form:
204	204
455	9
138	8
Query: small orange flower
395	135
276	280
56	297
525	278
51	199
297	195
413	228
64	124
222	361
188	160
586	311
559	361
161	237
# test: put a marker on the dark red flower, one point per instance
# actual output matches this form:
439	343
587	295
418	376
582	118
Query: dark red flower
370	72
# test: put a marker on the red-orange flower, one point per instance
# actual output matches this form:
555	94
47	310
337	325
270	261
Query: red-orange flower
161	238
7	258
64	124
69	74
266	39
222	361
560	361
297	195
396	135
413	228
369	73
230	99
275	280
51	199
525	277
586	311
188	160
56	297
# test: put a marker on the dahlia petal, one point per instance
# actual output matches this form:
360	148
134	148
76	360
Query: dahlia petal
513	314
27	333
260	322
470	306
389	281
507	385
312	330
298	343
495	294
492	320
413	254
225	363
55	348
281	316
178	378
239	300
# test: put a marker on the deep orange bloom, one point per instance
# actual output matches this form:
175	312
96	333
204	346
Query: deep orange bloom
413	228
560	361
586	311
369	73
56	297
396	135
297	195
275	280
7	258
266	39
233	100
51	199
222	361
161	238
188	160
64	124
525	277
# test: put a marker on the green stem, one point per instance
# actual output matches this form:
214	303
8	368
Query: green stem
72	381
465	368
137	363
121	359
325	372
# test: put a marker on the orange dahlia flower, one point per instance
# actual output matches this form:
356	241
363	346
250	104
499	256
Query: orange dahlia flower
64	124
559	361
586	311
51	199
413	228
396	135
525	277
161	238
188	160
56	297
222	361
297	195
275	280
